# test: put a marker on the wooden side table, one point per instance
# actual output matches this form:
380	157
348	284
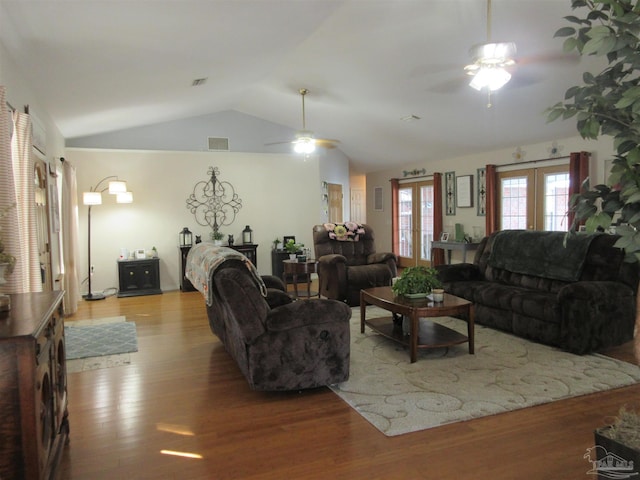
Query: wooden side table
293	268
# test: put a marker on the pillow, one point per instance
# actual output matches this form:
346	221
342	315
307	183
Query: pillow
344	232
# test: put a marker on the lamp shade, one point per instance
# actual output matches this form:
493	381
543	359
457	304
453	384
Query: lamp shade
92	198
124	197
117	186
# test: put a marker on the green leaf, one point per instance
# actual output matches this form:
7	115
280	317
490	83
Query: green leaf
569	45
565	32
599	220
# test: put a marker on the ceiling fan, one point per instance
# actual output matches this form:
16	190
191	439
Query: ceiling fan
304	141
491	61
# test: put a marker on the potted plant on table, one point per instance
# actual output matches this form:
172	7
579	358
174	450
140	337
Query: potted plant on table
417	282
293	248
217	237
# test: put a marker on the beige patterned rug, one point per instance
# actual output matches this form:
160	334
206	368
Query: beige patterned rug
449	385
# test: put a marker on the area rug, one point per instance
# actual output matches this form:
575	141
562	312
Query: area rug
450	385
100	343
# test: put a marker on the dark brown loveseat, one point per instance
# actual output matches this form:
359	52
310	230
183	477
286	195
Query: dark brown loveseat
580	298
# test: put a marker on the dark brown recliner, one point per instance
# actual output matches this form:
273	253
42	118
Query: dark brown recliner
345	266
279	344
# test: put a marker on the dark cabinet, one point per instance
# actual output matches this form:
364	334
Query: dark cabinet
139	277
185	284
33	386
248	250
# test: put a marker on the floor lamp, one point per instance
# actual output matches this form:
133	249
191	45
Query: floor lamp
94	197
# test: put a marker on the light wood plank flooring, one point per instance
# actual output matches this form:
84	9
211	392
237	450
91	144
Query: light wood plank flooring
183	393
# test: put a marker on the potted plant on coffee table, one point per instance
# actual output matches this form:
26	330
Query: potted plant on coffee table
416	282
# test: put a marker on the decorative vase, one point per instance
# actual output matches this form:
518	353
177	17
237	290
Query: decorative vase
292	256
437	294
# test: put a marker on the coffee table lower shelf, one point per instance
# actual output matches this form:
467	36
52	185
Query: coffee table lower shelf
432	335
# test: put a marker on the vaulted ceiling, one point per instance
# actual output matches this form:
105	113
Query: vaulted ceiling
104	65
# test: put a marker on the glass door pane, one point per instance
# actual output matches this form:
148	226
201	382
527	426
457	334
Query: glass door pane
513	203
556	201
426	222
405	223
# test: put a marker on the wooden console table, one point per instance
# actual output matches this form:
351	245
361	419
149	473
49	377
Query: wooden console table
450	246
33	386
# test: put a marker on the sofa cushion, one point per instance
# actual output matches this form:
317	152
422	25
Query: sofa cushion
245	302
540	253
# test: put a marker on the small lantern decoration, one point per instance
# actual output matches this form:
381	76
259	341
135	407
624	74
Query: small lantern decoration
247	235
186	238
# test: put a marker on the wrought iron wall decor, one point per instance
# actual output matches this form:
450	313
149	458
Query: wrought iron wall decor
482	191
214	203
414	172
450	193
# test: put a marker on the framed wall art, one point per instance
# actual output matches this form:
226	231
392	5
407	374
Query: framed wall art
464	191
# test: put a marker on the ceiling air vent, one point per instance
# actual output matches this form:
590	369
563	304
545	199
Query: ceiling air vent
218	144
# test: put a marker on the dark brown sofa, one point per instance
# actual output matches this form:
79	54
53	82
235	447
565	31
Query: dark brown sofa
580	297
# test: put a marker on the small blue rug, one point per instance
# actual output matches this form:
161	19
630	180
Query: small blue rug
99	340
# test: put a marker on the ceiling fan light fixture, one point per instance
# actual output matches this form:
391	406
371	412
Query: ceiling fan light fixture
490	61
494	78
304	142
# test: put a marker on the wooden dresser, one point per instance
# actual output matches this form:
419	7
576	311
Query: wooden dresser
34	424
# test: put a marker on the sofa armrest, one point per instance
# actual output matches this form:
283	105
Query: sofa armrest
381	257
272	281
276	298
595	315
332	259
458	272
303	313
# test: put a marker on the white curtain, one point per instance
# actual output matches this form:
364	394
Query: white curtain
23	244
9	222
70	238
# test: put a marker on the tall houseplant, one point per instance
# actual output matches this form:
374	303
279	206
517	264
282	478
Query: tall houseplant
608	103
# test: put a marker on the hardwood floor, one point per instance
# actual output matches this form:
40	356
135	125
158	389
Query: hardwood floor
183	393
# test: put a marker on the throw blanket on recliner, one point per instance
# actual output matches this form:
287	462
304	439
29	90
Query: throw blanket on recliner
204	258
541	254
345	232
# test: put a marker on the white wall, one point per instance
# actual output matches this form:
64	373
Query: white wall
280	195
600	150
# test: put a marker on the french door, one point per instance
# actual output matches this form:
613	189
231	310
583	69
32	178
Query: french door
534	198
415	223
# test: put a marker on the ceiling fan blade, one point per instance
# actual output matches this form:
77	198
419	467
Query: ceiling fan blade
326	142
278	143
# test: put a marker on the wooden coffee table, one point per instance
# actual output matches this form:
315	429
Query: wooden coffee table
432	335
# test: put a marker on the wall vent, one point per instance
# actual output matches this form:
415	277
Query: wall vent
219	144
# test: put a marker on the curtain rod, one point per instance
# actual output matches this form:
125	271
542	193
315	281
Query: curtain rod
533	161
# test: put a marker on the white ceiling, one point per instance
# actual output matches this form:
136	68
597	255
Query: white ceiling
103	65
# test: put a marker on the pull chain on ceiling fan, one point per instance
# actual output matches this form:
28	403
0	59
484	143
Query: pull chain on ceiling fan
304	141
490	61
